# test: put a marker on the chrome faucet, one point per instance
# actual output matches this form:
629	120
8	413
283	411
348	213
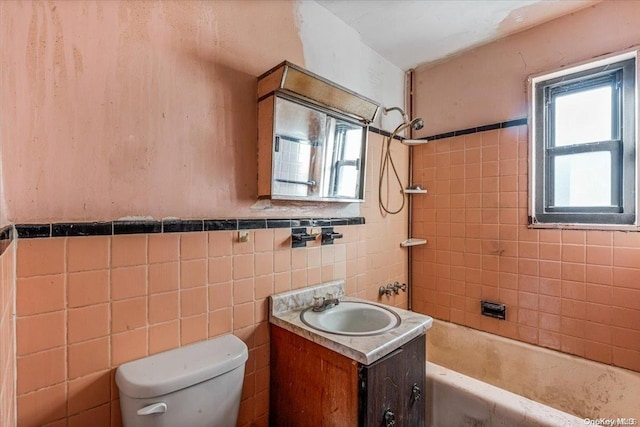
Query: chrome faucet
324	303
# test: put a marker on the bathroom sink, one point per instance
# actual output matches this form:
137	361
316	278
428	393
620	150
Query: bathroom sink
352	318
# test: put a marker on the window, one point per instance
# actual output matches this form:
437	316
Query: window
583	144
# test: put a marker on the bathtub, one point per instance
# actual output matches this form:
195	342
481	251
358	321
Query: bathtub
479	379
456	400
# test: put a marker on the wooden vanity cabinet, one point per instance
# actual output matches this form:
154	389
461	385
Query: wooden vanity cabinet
314	386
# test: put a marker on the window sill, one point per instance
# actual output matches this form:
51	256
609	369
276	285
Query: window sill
594	227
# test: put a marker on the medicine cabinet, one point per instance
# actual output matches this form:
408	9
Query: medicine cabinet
312	137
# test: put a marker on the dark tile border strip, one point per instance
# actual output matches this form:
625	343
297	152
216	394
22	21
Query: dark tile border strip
384	133
502	125
70	229
6	238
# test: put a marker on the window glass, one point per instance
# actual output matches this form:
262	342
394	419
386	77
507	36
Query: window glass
582	179
584	144
583	116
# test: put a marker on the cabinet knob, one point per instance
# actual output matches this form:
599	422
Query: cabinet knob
389	418
416	393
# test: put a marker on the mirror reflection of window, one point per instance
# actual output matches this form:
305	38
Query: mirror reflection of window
316	155
299	135
346	161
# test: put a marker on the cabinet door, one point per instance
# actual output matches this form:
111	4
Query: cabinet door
392	389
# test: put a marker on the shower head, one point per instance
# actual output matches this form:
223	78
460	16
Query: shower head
417	123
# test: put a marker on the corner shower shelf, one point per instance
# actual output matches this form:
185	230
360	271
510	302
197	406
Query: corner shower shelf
414	141
413	242
414	191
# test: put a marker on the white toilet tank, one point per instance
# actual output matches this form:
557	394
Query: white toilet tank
198	385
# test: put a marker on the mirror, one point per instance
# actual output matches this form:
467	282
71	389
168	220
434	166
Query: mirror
315	154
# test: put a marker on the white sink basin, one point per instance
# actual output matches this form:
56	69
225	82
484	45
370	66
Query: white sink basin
352	318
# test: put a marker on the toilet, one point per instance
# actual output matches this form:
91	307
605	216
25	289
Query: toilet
198	385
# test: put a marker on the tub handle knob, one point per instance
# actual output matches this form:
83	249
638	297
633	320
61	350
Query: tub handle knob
154	408
416	393
389	418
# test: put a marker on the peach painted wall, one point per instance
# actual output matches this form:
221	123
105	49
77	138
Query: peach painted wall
488	84
7	337
573	291
148	108
87	304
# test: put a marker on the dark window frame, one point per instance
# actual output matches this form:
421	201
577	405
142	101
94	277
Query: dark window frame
620	76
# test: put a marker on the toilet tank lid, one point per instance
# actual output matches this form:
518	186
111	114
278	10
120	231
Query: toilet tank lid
182	367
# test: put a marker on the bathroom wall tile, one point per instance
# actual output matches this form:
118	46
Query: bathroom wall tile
282	260
260	311
243	290
626	257
263	263
40	332
599	352
42	294
43	406
220	322
128	250
193	329
87	323
87	288
164	336
128	314
89	392
37	257
128	346
193	273
193	246
163	247
220	269
116	415
243	266
164	307
220	295
625	318
264	286
599	238
220	243
625	338
600	255
627	277
626	240
554	276
88	253
243	315
193	301
40	370
97	417
88	357
240	248
626	358
264	240
572	345
128	282
164	277
598	332
282	282
599	274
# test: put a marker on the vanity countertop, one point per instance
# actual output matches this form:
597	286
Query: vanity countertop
285	310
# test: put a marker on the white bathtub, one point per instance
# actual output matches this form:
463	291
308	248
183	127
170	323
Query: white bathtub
456	400
480	379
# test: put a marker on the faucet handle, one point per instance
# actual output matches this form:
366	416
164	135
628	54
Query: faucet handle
318	300
330	295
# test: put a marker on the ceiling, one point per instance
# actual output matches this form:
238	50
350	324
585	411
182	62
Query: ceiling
409	33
